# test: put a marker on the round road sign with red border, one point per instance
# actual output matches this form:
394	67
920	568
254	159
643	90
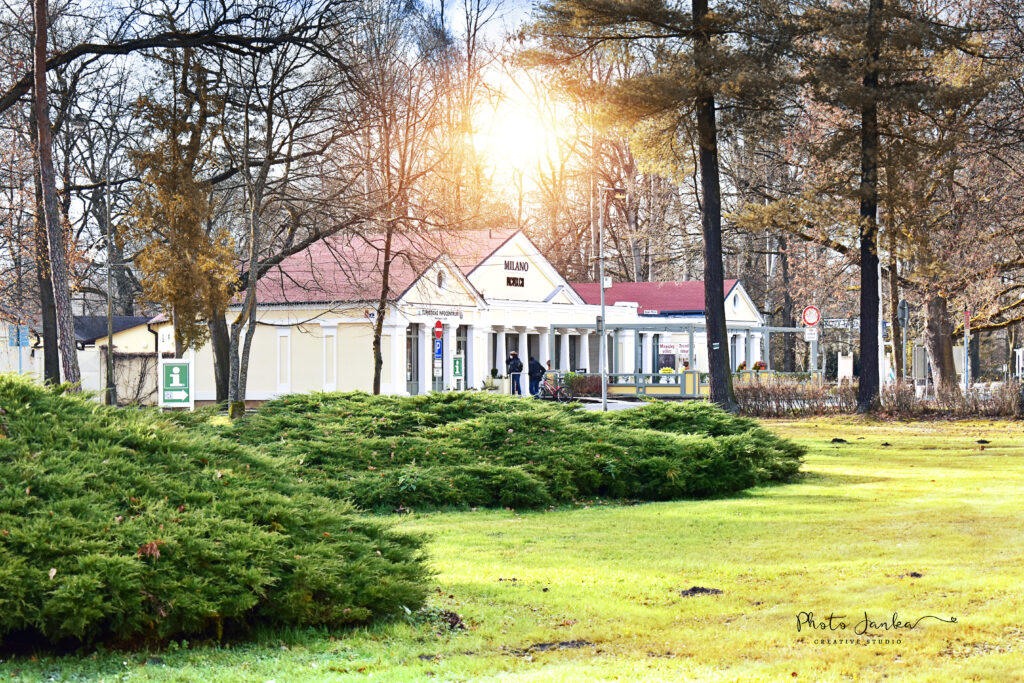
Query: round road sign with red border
438	329
812	316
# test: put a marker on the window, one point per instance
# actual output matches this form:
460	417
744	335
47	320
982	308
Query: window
440	278
330	358
284	360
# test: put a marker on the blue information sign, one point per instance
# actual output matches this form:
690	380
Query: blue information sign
17	335
437	349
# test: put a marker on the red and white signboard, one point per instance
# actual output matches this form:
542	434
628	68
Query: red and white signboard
811	316
438	329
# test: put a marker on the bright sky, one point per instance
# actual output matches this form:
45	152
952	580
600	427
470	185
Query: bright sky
517	130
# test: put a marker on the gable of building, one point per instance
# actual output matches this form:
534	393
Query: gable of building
517	271
442	283
739	307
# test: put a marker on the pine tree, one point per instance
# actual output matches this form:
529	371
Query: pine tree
872	62
712	54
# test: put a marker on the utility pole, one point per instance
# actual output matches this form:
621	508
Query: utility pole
603	353
603	347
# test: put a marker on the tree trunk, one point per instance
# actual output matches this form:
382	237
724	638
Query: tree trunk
243	368
220	342
896	332
51	359
239	359
382	303
719	372
938	342
869	148
54	232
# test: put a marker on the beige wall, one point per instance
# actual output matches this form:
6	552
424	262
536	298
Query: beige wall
137	339
355	360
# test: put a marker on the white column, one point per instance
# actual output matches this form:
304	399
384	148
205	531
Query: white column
584	349
627	359
475	369
563	353
544	342
648	341
500	354
524	356
447	354
426	358
397	361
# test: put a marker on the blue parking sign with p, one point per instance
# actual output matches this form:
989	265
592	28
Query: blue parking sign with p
437	349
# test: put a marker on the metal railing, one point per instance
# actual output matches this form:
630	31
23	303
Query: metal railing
687	384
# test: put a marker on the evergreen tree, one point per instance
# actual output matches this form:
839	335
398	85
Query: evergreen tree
702	57
873	62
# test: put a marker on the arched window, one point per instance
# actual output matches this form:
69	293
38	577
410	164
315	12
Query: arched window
440	278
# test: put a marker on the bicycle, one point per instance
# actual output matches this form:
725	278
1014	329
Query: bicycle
554	390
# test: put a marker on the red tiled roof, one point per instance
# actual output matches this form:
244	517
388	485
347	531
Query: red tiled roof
350	267
653	297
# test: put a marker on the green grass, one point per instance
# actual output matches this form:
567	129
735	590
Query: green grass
934	502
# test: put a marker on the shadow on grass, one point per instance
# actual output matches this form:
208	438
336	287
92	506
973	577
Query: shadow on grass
831	479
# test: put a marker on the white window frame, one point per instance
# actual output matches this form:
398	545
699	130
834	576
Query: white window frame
330	382
284	333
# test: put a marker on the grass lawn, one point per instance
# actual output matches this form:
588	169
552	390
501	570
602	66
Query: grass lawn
845	541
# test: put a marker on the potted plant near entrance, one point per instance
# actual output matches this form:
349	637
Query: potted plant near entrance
491	383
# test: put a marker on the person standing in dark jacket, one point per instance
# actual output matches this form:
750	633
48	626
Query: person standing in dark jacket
514	368
536	375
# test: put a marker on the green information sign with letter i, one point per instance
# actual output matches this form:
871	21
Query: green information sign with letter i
457	366
177	388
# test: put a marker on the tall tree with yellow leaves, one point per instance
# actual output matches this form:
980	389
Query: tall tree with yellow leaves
187	263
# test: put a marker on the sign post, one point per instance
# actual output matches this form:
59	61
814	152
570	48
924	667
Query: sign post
967	351
17	336
177	387
811	317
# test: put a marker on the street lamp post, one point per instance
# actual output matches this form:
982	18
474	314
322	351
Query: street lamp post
603	348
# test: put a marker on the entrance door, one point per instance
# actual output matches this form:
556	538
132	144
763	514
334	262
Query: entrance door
412	359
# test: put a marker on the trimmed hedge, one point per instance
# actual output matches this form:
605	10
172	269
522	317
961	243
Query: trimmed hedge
116	525
463	449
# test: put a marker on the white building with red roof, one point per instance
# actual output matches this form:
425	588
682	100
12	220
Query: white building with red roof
491	292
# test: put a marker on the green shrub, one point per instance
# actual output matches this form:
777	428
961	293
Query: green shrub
463	450
117	525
